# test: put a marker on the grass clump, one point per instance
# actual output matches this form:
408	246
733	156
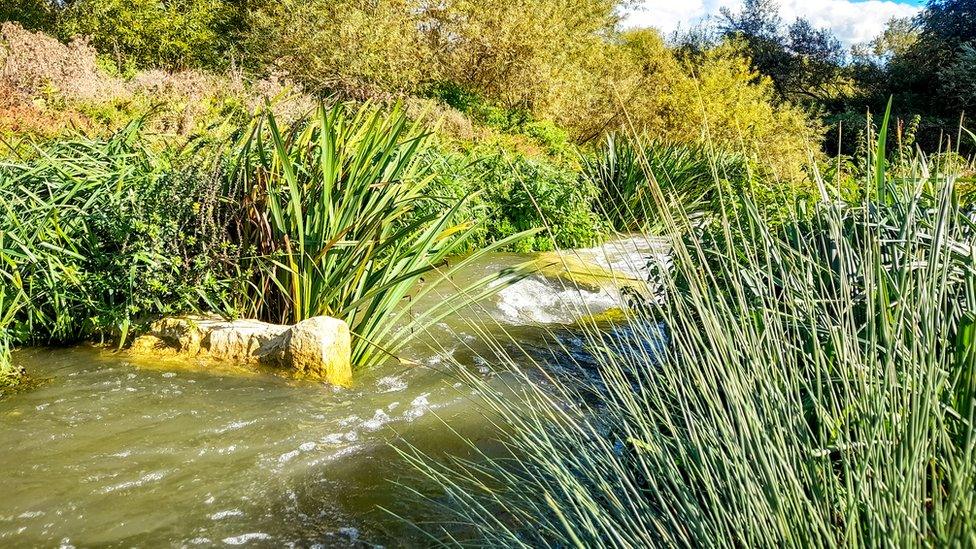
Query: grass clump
9	303
331	205
804	383
693	176
107	233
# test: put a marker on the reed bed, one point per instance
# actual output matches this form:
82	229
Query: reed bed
808	384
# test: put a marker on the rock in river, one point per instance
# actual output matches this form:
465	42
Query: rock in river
317	348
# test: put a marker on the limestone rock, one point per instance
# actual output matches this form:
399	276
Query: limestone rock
318	348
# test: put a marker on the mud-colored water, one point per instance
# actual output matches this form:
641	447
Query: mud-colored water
110	453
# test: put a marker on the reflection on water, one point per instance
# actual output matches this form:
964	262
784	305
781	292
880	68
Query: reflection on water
111	453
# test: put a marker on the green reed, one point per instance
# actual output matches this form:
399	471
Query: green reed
807	384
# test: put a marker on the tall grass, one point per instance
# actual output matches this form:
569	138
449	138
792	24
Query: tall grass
625	169
332	203
104	233
813	386
10	298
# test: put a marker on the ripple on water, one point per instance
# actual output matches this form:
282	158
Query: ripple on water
391	384
419	407
145	479
233	426
221	515
288	456
245	538
379	419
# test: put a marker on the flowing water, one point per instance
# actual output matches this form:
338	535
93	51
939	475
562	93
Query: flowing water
108	452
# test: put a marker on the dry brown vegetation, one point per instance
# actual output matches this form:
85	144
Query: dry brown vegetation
48	87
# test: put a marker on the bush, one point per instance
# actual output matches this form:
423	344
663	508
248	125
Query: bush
107	233
516	193
49	89
147	33
537	69
34	64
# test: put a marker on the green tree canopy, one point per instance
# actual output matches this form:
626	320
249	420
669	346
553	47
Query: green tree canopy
173	34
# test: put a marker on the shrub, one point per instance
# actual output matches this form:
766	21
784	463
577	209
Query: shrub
515	193
35	65
49	89
110	232
148	33
534	56
536	69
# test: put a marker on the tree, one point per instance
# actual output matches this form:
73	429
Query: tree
948	23
959	79
805	63
918	74
532	54
31	14
759	26
757	19
897	39
816	67
175	34
353	48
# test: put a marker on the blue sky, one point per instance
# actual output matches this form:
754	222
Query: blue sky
852	21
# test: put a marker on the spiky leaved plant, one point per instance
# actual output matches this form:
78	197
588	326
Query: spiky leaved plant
331	202
690	174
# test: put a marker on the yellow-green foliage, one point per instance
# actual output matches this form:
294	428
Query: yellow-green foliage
717	100
174	34
357	48
527	54
564	62
737	105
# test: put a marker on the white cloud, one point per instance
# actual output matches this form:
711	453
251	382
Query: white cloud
851	21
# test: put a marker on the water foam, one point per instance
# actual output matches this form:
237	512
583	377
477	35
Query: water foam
539	300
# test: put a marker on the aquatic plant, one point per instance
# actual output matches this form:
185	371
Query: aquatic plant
330	203
692	176
10	297
805	384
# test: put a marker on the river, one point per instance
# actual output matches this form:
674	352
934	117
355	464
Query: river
111	453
